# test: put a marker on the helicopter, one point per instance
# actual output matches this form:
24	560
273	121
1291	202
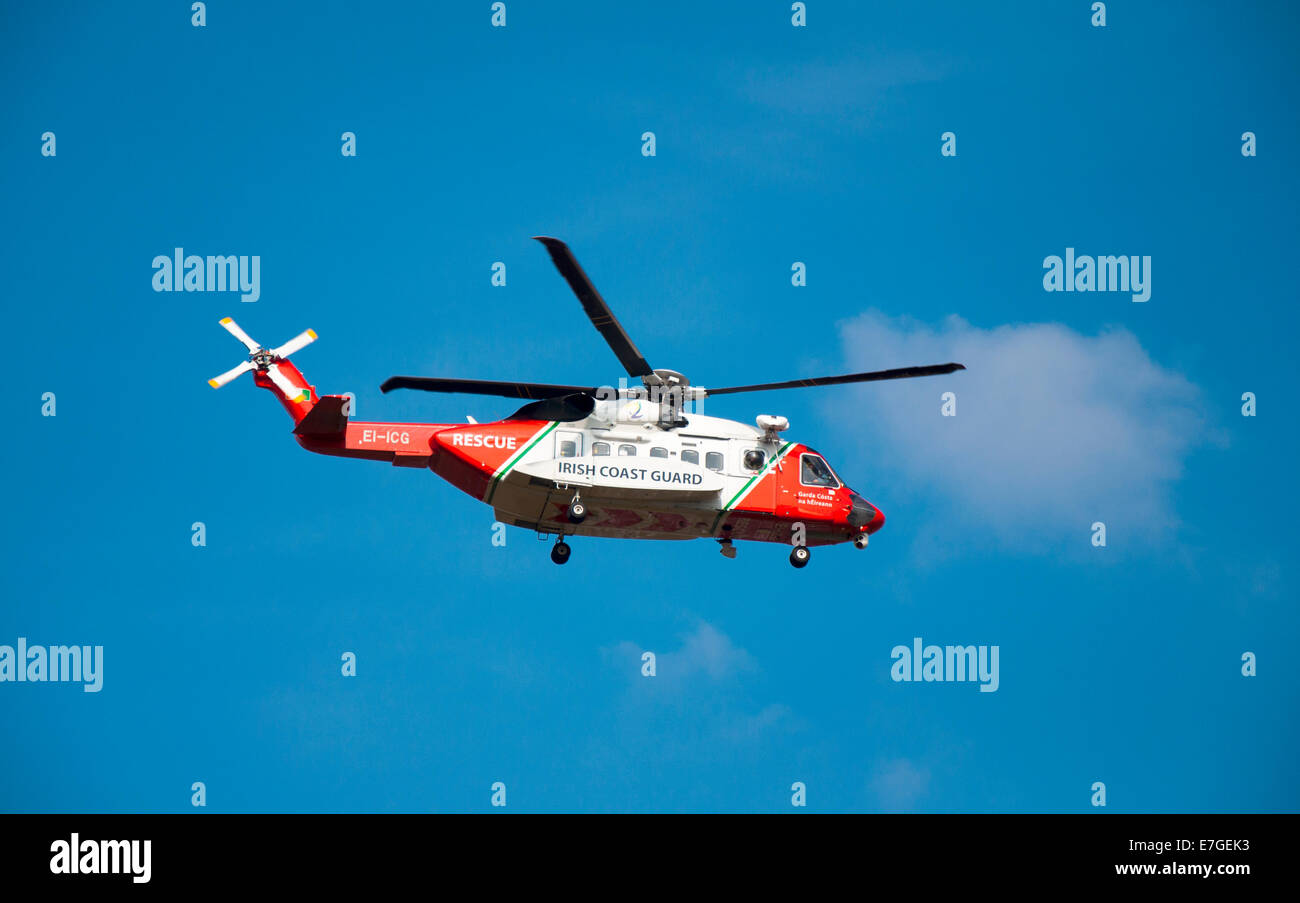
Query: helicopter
629	462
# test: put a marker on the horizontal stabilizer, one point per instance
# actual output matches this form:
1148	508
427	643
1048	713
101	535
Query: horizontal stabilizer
326	420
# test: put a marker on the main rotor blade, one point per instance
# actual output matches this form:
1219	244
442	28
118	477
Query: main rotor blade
597	310
900	373
535	391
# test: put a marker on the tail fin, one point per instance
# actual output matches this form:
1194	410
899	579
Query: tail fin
272	370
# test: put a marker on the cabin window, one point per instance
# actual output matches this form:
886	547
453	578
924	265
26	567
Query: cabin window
568	444
713	461
755	458
658	451
627	450
690	456
813	471
600	448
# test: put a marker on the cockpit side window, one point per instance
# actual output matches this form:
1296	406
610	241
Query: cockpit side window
814	471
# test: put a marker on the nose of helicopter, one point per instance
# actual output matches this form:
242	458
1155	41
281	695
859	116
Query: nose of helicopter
876	522
864	514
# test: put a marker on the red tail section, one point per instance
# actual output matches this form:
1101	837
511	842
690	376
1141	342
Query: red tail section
294	392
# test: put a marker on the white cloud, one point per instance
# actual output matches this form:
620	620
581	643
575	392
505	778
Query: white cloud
705	650
707	683
898	784
711	651
1054	429
841	87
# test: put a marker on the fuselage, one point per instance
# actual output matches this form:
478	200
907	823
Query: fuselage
707	477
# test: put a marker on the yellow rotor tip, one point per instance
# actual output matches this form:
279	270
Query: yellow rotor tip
225	320
312	333
214	384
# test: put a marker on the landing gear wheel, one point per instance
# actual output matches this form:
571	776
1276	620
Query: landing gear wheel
799	556
577	513
560	552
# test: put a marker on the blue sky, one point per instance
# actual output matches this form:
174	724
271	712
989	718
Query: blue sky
775	144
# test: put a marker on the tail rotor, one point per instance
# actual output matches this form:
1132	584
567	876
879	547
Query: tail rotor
265	360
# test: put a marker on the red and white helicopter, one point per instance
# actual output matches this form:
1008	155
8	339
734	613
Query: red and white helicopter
629	462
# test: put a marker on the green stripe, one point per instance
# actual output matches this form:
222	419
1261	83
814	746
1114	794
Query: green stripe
510	463
743	489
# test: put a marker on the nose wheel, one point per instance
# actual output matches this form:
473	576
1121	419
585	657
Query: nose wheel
799	556
560	552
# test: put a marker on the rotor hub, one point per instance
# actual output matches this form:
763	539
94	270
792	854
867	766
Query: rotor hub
668	379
